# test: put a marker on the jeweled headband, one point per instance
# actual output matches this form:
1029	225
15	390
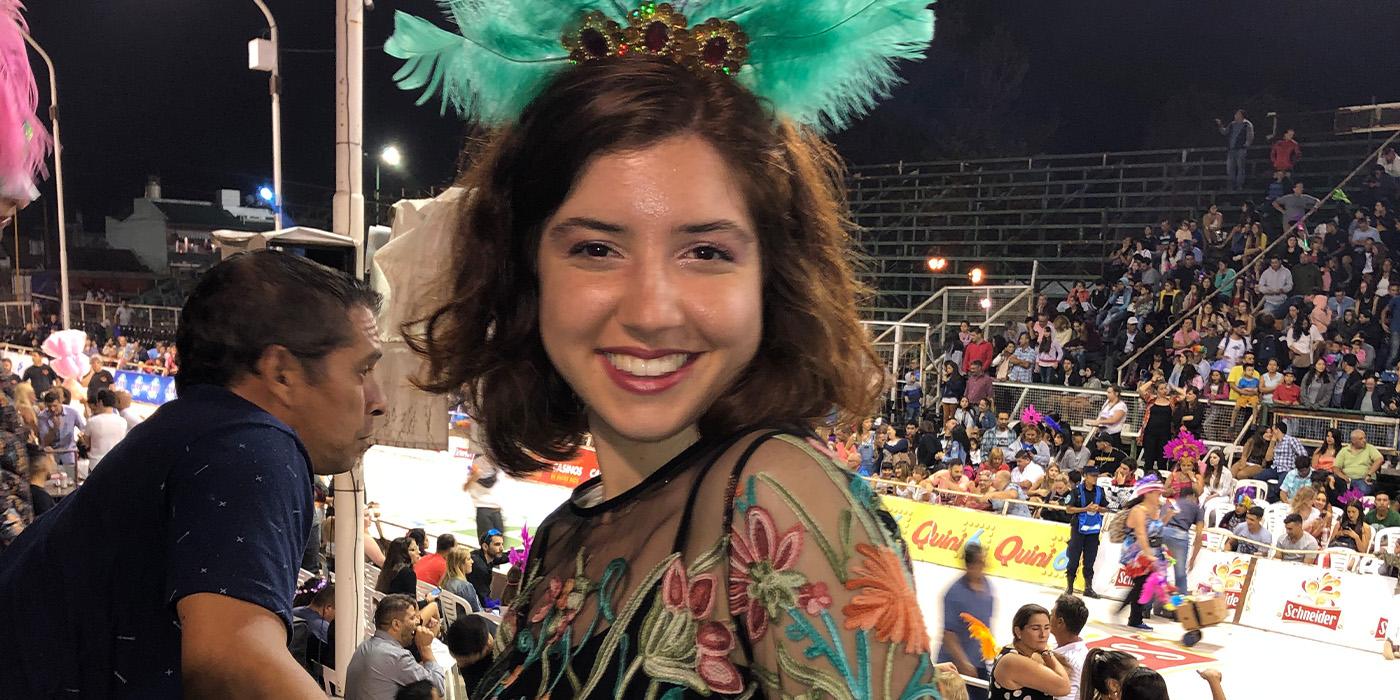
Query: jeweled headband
818	62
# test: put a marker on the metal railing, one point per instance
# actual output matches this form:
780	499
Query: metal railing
1224	426
163	318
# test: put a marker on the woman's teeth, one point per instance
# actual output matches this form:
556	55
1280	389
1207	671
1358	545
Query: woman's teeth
636	366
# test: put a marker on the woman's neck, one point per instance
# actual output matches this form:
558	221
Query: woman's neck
624	462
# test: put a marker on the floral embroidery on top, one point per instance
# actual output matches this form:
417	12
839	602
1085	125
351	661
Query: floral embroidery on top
847	620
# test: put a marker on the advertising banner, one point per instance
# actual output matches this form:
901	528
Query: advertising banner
569	473
1224	572
1019	548
1316	603
146	388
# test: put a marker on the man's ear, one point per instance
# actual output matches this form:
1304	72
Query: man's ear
281	373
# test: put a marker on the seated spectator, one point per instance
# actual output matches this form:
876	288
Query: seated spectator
397	574
430	567
1025	665
457	568
1297	539
383	663
1383	515
484	560
312	640
1298	479
1351	530
469	640
1004	490
1217	480
1236	517
418	690
1027	473
1252	537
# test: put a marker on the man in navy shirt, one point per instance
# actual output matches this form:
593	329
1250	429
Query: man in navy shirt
1086	505
170	572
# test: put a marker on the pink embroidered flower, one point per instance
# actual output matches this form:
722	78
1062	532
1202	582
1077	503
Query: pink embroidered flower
714	642
813	597
825	449
761	582
541	611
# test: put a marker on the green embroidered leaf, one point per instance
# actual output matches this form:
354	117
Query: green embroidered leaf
618	631
837	565
811	677
844	520
711	558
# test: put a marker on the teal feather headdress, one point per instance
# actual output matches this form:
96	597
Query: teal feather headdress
822	63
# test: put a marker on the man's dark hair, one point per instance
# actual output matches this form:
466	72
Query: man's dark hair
53	395
391	608
1281	426
445	542
1073	611
1255	511
256	300
1292	518
324	597
468	636
417	690
972	553
106	398
418	535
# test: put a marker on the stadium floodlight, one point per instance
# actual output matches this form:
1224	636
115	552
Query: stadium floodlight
266	194
976	275
936	264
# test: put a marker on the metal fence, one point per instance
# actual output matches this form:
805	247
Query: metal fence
905	346
157	318
1310	426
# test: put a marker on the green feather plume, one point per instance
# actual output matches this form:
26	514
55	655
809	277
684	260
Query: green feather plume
822	63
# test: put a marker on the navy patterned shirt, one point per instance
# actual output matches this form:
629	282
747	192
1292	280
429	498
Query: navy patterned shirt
212	494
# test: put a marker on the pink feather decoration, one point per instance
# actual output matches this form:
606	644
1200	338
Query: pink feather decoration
66	349
1030	416
518	557
24	143
1184	445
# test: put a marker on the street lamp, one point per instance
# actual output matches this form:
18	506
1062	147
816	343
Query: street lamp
263	55
57	180
392	157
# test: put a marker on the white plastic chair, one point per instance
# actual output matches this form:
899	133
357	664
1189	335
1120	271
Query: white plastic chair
1215	509
1213	539
1338	559
1384	539
447	605
1366	564
1274	513
303	576
1258	491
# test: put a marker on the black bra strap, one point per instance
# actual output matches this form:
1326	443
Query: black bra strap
686	515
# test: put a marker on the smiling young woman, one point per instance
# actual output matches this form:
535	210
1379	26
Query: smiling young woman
651	257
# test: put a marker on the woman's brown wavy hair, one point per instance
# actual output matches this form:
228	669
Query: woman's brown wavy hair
814	355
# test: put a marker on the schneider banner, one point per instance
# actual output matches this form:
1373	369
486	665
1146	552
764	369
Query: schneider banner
1328	606
1019	548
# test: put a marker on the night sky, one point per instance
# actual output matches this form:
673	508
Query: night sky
161	86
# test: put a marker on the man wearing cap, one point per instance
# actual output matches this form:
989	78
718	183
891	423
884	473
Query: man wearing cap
1086	503
1129	340
1275	283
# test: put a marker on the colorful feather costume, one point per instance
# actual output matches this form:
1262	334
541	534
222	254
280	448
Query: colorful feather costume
24	143
822	63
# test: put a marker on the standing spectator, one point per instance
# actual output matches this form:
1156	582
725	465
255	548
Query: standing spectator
123	317
1389	165
270	389
1294	207
8	378
954	386
383	663
1111	417
1086	505
1359	461
979	350
39	374
1275	284
978	384
1067	620
1285	152
971	594
59	425
1239	136
97	379
430	567
105	428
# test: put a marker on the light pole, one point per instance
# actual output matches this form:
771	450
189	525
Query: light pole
392	157
57	180
266	56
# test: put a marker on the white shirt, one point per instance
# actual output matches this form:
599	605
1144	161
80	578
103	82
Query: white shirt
132	420
1075	654
1032	473
104	431
1107	412
483	497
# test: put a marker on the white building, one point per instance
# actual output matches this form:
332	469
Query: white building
175	233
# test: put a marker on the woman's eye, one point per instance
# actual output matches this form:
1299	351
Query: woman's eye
710	253
591	249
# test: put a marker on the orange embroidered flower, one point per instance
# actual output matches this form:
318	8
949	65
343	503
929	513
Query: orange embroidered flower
886	602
